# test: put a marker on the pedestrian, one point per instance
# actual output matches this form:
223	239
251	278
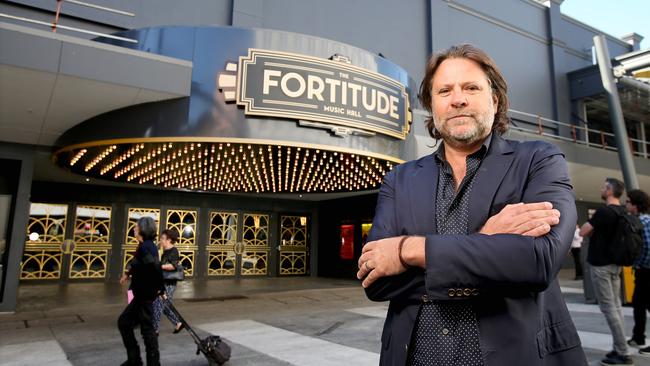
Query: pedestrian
169	262
467	242
146	285
576	246
605	274
638	204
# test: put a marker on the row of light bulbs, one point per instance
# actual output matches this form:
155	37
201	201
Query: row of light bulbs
77	156
100	157
233	167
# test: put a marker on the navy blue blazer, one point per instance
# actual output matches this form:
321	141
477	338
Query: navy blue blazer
522	316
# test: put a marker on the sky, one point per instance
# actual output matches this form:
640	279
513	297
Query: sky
614	17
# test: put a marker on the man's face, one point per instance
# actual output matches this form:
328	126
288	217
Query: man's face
605	191
631	208
462	102
164	240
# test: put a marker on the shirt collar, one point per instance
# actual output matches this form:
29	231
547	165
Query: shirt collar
480	153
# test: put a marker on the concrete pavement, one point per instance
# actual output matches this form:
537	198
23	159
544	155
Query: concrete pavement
272	321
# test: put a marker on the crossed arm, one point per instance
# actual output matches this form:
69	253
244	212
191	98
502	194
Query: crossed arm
381	258
520	248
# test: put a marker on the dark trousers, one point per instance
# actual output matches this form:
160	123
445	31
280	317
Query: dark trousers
139	312
641	302
575	252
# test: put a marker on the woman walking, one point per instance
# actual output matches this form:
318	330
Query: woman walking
146	285
169	263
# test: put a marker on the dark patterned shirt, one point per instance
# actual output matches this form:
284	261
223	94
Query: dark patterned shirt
643	260
446	332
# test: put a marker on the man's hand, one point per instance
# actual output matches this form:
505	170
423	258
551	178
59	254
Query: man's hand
530	219
379	259
123	279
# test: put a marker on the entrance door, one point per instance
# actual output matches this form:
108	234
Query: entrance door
44	247
294	246
185	223
239	244
92	246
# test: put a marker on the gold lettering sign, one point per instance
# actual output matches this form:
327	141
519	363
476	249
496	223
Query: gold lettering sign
286	85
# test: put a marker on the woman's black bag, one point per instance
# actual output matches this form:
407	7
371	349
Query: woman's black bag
178	274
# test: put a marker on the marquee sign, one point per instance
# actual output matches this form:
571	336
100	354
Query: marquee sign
278	84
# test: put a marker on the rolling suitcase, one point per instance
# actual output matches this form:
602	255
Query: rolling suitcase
213	347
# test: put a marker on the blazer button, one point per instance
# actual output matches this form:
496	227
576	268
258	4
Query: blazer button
425	298
451	292
474	292
467	292
459	292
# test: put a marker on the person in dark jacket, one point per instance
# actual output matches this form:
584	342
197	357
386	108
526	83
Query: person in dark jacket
169	262
147	285
467	242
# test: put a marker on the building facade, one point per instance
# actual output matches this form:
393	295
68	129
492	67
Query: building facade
260	130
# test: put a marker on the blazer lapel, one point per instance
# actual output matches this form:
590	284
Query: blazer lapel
422	195
488	179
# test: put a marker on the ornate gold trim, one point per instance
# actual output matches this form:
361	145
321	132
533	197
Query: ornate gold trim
86	258
92	223
41	258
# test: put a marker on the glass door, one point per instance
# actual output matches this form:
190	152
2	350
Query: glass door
294	246
239	244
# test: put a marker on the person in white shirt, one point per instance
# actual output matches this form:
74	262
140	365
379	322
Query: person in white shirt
576	244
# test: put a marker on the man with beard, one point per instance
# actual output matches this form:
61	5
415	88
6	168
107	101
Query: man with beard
467	242
605	274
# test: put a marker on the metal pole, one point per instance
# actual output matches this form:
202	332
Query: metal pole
616	113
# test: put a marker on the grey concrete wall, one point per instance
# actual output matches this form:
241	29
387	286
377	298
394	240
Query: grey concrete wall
516	32
148	13
579	36
16	242
396	29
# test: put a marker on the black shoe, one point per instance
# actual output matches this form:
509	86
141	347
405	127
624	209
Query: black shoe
633	343
645	351
614	358
129	363
178	330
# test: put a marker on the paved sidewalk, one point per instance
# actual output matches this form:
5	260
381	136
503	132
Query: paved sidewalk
274	321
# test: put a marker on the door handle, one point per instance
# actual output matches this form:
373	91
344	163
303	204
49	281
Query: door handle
239	248
67	246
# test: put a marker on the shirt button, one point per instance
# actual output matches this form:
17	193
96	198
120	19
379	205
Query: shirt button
406	347
445	331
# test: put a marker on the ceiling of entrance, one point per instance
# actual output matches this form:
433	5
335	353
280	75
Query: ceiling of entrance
228	165
60	81
37	107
